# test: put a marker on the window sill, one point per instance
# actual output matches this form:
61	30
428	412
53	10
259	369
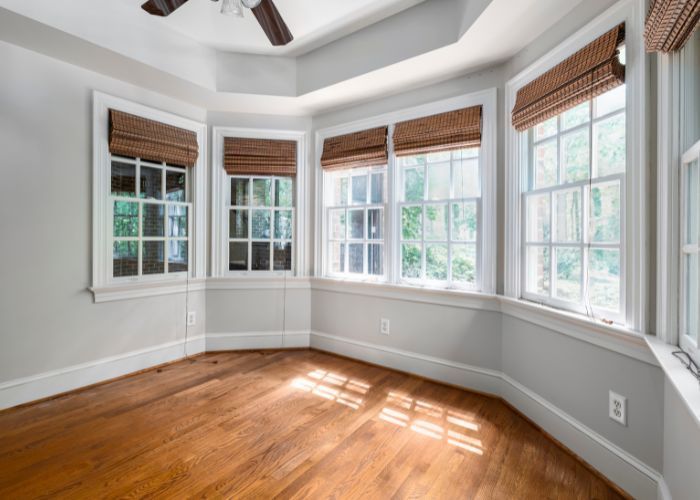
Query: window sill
251	282
683	382
126	291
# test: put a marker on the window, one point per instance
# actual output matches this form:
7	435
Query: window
440	198
150	214
260	223
573	208
355	205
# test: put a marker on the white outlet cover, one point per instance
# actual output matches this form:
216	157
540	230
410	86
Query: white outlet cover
384	326
617	408
191	318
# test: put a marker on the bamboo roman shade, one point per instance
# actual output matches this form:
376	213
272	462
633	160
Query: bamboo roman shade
591	71
260	156
452	130
131	135
366	148
670	24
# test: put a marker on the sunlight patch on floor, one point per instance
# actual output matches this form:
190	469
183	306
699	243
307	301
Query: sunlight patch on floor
333	387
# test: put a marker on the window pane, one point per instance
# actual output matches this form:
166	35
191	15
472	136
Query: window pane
126	219
177	256
575	151
284	194
568	218
411	223
440	156
605	212
464	221
283	224
413	180
538	217
340	189
151	183
436	261
545	164
576	116
125	259
610	101
463	154
466	178
238	256
177	221
378	188
337	257
692	289
375	259
610	145
439	181
153	219
153	258
692	203
436	222
261	224
546	129
123	179
537	272
175	186
337	220
464	263
604	278
262	192
260	258
238	224
359	189
411	256
375	224
357	224
282	255
568	282
239	192
356	257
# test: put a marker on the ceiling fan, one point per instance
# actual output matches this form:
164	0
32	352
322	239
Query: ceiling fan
264	10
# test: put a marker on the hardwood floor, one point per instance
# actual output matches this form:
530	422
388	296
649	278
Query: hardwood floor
287	424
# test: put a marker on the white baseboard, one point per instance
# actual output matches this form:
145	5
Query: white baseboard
42	385
256	340
623	469
664	492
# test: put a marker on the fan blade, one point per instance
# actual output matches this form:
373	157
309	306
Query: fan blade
272	23
162	8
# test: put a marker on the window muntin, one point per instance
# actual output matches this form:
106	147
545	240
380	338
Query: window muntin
150	219
438	214
573	208
355	202
261	223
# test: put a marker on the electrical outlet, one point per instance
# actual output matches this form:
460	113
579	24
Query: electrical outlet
384	327
618	408
191	318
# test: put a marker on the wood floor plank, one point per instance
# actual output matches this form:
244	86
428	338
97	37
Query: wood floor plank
282	424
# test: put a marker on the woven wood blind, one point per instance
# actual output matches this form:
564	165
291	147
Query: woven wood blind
670	24
260	156
452	130
359	149
591	71
131	135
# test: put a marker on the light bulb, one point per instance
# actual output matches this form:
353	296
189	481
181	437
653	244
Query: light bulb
232	8
251	4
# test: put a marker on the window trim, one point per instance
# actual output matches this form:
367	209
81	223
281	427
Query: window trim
219	208
101	199
488	100
632	13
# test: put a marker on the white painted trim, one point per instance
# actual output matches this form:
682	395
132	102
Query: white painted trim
101	252
111	293
664	492
249	283
633	475
42	385
631	12
256	340
219	242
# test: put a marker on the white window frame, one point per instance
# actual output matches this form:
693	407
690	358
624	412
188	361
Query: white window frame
102	202
221	188
634	286
487	220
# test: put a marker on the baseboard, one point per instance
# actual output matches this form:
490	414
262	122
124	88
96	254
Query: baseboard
664	493
256	340
632	475
23	390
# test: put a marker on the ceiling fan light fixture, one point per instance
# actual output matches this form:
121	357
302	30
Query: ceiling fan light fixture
232	8
251	4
